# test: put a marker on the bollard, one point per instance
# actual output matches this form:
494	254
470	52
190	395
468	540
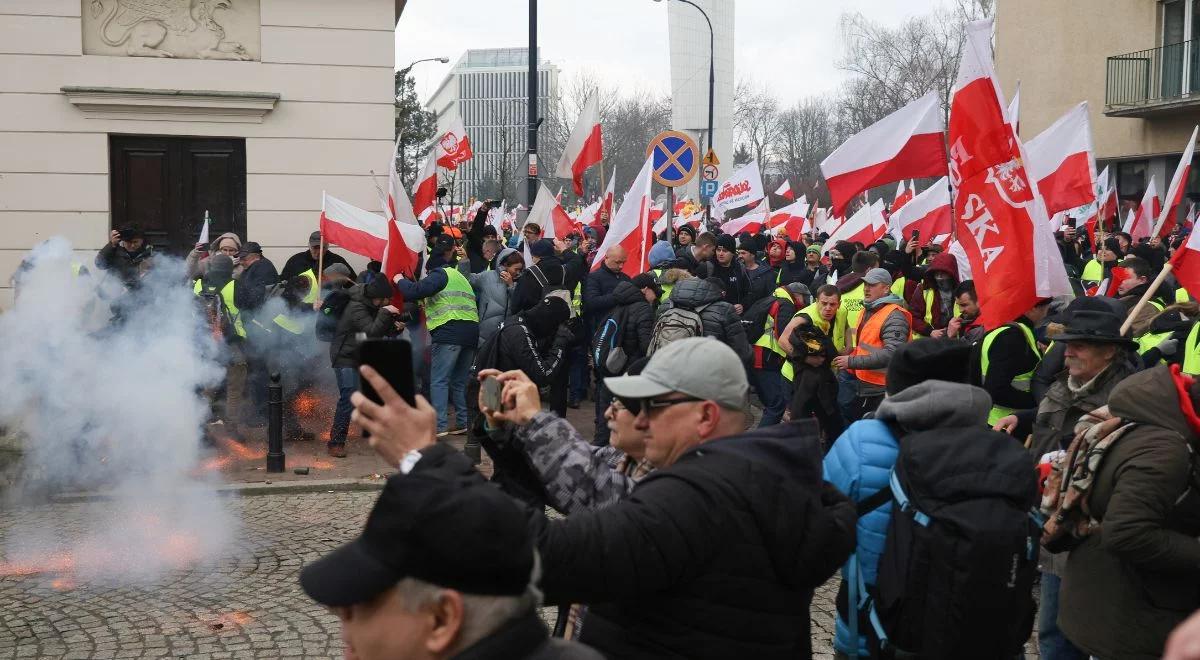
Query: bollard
275	458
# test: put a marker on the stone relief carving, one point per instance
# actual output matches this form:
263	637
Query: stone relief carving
195	29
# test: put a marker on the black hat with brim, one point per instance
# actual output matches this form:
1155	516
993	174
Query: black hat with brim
1096	327
347	576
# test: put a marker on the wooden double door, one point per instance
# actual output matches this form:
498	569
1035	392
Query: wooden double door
164	185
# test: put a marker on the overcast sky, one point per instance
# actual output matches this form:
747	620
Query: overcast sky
792	45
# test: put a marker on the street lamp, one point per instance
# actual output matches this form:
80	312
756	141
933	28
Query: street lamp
712	83
404	72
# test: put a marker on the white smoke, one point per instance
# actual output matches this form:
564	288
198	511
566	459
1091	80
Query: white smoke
114	405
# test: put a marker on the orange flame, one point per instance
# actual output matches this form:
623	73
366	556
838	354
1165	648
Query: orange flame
62	584
60	562
240	450
306	404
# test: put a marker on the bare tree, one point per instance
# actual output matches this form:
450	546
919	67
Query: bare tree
807	134
756	120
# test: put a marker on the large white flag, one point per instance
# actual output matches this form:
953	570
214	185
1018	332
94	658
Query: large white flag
630	226
742	187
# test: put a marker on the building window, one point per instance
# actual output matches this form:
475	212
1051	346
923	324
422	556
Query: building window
1131	180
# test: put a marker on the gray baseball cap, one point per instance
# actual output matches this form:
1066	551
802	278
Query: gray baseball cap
877	276
698	366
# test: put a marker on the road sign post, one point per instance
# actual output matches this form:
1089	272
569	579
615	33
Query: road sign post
675	161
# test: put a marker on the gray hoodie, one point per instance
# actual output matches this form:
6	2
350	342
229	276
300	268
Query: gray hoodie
936	404
492	294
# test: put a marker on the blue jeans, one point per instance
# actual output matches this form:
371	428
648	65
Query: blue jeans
347	383
1052	644
449	372
770	387
847	393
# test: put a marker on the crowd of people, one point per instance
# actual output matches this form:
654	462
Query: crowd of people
768	414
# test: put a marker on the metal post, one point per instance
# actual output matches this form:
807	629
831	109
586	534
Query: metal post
670	213
275	458
532	110
712	83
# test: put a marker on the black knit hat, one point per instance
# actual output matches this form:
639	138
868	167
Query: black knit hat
726	241
378	287
929	359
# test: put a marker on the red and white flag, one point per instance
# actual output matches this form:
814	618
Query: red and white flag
424	199
358	231
927	213
585	147
866	226
1170	211
630	226
1061	161
453	146
996	210
904	195
792	220
906	144
1106	198
604	215
785	190
1140	222
396	194
549	215
752	222
742	187
780	217
1014	110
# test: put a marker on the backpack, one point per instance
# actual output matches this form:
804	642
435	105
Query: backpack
329	315
674	324
545	281
216	314
608	353
956	575
755	318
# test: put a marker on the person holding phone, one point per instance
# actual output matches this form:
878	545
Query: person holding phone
369	313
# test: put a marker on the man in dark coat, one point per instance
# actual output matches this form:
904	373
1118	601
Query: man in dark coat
720	320
126	255
734	281
546	274
634	309
697	257
310	259
250	295
369	312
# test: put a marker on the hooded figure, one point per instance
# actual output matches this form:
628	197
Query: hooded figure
533	342
198	259
933	303
493	292
661	255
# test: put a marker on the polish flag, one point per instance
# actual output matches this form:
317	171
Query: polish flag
907	143
361	232
1166	219
396	191
1106	197
752	222
424	199
1139	224
1061	161
549	215
786	190
630	227
903	196
792	220
927	213
1014	110
496	217
453	147
1001	225
780	217
604	215
866	226
584	148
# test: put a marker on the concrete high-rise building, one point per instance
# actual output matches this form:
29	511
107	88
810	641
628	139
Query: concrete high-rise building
689	76
1134	62
489	88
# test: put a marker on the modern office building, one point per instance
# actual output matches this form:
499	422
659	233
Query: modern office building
689	36
489	89
1134	61
117	113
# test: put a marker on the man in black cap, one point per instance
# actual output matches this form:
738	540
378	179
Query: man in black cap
309	259
250	294
126	255
734	281
443	569
546	274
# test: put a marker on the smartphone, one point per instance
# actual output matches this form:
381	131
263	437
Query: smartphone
916	236
490	394
392	358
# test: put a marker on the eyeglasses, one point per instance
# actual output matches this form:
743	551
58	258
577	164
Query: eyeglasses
634	406
652	406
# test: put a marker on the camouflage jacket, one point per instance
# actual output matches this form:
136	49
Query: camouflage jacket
577	476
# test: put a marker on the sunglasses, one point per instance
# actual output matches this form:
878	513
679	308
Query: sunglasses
652	406
634	406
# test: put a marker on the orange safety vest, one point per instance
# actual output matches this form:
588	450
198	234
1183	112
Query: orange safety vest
869	342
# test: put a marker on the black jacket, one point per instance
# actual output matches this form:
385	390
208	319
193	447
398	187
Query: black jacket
686	260
575	268
302	261
639	319
529	291
734	281
359	316
760	283
525	638
598	291
250	289
753	531
1008	357
515	347
474	242
718	316
123	263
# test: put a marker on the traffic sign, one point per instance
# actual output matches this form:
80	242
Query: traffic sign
709	173
710	158
708	188
675	157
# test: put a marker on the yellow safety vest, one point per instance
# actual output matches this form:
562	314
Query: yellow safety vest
227	298
577	300
1020	382
1151	340
1093	271
1181	295
666	288
1191	356
313	290
813	313
767	340
288	323
849	314
929	307
898	287
456	302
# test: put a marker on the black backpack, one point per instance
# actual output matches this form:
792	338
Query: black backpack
956	574
330	313
608	351
217	317
755	318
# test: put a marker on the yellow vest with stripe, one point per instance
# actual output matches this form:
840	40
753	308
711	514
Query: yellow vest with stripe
291	323
577	300
849	314
227	298
1020	382
666	288
768	340
456	302
1151	340
813	313
1191	352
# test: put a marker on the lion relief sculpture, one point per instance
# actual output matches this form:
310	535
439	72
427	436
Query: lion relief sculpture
141	27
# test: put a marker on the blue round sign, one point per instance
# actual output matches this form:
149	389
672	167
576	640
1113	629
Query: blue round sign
675	158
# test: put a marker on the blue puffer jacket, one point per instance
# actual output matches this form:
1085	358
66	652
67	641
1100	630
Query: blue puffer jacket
861	460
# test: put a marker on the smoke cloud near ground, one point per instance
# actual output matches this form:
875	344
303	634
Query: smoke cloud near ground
112	406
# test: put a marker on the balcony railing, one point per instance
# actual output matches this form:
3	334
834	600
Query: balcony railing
1153	79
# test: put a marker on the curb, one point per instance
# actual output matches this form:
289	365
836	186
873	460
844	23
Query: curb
249	489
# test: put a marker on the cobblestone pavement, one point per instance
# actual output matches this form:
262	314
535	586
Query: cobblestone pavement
248	605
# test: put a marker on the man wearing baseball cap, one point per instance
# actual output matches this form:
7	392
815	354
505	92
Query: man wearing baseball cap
309	259
884	327
715	554
443	569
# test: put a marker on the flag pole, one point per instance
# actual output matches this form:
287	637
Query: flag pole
1150	291
321	254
